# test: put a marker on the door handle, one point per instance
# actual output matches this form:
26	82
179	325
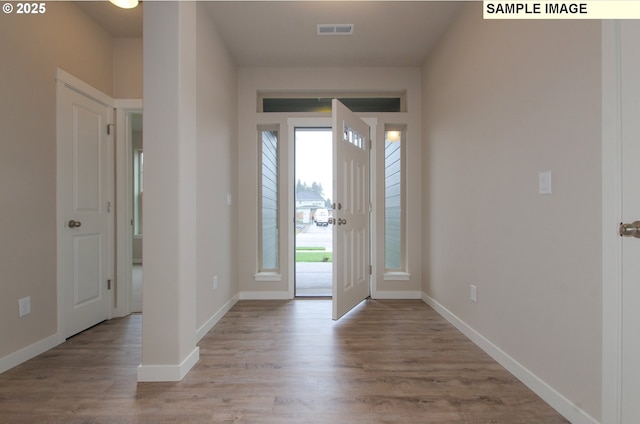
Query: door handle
629	230
73	224
341	221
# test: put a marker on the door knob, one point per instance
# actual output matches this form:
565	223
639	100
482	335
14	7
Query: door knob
73	224
341	221
629	230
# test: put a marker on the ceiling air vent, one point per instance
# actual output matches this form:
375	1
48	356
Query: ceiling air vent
335	29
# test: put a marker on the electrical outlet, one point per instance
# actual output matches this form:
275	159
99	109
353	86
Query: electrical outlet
215	282
24	306
474	294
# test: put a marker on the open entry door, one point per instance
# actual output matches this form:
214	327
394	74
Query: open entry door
351	212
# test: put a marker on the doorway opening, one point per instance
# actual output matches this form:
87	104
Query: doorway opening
313	171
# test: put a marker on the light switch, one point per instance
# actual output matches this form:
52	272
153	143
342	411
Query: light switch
544	182
24	306
229	199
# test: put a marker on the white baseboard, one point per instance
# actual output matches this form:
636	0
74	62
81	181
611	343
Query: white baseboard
265	295
29	352
154	373
211	322
560	403
389	294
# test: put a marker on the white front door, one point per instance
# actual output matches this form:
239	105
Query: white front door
84	210
351	212
630	296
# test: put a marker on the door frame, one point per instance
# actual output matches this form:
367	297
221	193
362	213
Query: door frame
120	242
300	122
124	204
292	250
64	79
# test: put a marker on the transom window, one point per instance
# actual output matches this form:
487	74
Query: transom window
321	102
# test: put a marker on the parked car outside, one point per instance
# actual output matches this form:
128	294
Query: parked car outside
322	217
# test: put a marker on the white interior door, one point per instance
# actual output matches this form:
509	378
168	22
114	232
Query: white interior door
630	296
351	261
84	206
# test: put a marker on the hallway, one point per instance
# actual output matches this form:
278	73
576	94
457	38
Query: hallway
280	362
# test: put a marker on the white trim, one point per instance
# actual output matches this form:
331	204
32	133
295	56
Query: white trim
83	88
265	295
564	406
211	322
396	276
123	204
611	214
268	276
29	352
397	294
60	85
372	122
154	373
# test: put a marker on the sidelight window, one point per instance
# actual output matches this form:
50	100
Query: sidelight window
268	198
394	199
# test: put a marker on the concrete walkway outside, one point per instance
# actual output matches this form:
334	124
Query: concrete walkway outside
313	279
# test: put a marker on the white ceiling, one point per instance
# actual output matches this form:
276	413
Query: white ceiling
283	33
274	33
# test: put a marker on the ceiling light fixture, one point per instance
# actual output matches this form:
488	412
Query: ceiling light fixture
125	4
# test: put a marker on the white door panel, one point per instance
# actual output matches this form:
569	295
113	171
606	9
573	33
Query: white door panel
351	192
630	121
87	253
87	158
84	200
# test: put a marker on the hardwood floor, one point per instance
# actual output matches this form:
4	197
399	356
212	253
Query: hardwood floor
280	362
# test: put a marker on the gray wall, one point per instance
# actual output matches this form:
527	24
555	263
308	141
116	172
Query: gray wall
32	48
503	101
217	127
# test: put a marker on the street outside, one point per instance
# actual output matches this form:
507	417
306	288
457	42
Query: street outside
314	278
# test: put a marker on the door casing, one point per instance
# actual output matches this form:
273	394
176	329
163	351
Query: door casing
124	204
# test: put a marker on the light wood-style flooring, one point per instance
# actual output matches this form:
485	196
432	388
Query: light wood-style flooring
280	362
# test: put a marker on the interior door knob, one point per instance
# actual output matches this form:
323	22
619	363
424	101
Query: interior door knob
629	230
74	224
